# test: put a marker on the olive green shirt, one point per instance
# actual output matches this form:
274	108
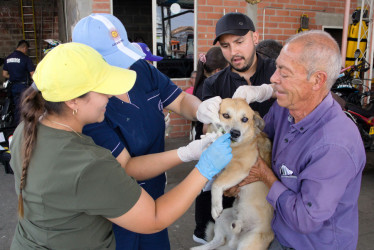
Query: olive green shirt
72	186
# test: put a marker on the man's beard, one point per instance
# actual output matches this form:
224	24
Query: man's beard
242	69
245	67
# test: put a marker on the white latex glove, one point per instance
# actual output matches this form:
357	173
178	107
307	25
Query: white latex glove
208	110
254	93
193	150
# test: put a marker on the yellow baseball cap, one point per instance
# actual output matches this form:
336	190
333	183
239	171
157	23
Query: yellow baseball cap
73	69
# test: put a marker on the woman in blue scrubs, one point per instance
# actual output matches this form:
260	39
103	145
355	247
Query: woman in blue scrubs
134	126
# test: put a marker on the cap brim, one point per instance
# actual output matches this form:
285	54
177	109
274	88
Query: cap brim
233	32
153	58
116	81
124	56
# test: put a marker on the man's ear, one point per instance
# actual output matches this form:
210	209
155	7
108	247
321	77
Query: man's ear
319	80
255	36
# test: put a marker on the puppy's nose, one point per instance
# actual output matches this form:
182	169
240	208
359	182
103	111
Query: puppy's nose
234	133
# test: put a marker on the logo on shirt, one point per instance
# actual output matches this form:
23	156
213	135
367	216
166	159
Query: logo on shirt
114	34
13	60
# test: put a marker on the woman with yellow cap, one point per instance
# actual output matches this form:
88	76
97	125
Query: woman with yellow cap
69	189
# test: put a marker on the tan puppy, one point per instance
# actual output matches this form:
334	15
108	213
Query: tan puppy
251	215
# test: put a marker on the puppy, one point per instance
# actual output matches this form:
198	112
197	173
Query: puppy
251	215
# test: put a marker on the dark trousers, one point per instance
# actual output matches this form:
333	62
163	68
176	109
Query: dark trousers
17	90
203	206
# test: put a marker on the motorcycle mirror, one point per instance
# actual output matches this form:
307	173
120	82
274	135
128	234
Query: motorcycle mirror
357	53
356	81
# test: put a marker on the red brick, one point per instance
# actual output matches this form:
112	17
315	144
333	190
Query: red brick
205	9
285	25
205	22
201	16
213	16
214	2
275	31
277	19
177	134
282	13
269	12
211	29
310	2
100	6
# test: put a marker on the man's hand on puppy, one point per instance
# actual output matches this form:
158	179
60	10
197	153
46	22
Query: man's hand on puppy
259	172
254	93
232	192
208	111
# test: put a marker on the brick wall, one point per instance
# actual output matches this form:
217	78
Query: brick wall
11	25
209	11
101	6
179	127
282	19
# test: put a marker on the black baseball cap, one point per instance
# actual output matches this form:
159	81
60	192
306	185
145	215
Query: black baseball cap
233	23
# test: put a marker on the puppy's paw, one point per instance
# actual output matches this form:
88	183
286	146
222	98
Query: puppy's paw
216	210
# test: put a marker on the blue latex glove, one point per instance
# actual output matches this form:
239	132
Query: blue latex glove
215	157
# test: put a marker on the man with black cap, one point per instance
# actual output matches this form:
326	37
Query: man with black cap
237	37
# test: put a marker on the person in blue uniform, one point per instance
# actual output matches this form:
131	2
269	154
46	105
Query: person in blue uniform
134	127
18	69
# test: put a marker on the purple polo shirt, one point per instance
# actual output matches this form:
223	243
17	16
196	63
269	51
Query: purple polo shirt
318	162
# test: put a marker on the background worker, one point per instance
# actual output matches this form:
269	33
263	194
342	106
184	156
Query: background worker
133	128
318	155
18	68
269	48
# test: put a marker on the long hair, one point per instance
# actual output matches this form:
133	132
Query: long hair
214	59
32	108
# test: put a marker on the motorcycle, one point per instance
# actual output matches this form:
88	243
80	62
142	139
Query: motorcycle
7	125
356	101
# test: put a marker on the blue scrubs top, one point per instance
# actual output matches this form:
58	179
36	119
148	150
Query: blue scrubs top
139	127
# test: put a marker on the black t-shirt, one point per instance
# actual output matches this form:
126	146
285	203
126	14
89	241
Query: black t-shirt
18	66
225	83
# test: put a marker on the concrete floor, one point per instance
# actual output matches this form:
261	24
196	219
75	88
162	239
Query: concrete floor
180	232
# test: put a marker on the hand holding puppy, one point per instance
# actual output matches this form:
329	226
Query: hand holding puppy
254	93
207	111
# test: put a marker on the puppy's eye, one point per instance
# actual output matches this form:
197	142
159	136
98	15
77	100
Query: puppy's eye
226	116
244	119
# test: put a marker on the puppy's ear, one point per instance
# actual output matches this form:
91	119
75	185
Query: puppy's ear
258	121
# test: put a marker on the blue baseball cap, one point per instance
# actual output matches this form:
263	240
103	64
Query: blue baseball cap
106	34
148	54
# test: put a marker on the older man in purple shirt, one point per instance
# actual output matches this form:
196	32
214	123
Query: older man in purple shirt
318	155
